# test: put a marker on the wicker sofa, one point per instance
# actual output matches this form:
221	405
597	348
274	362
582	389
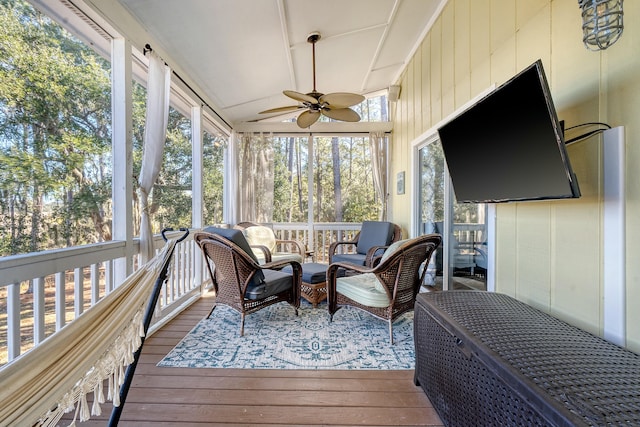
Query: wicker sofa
487	359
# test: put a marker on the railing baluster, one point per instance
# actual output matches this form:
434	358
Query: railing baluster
190	265
179	273
95	283
172	283
108	277
13	321
164	294
78	295
60	300
38	311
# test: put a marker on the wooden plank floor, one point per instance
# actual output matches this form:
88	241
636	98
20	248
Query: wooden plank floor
163	396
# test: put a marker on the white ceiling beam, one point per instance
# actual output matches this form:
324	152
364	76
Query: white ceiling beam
287	43
383	38
291	128
424	33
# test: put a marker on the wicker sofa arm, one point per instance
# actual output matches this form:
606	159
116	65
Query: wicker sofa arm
296	245
333	247
372	258
265	251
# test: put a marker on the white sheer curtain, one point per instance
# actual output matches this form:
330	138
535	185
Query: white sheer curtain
158	89
256	177
379	152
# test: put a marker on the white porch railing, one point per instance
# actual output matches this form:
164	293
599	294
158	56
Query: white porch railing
41	292
317	236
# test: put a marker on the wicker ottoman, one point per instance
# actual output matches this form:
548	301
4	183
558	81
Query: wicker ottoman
314	282
487	359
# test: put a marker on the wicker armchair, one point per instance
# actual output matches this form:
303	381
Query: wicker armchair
370	242
386	290
266	247
239	281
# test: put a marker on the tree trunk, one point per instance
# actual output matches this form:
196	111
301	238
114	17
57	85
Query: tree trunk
299	176
36	216
68	226
290	169
337	185
318	182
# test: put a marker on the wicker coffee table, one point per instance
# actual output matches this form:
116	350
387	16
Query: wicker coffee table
314	282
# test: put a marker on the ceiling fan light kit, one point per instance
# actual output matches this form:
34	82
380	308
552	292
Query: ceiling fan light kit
333	105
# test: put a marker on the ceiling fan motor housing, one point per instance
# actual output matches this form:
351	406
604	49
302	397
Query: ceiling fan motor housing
313	37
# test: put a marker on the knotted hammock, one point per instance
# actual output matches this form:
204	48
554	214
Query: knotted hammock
54	378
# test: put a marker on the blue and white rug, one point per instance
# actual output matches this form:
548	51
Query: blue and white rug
274	338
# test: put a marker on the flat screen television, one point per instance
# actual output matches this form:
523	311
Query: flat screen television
509	146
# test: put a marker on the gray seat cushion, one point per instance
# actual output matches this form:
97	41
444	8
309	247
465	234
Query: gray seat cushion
312	272
357	259
374	233
274	283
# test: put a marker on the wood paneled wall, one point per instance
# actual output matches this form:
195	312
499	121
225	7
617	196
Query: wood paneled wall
548	254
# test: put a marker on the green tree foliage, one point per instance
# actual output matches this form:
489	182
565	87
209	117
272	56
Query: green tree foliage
358	196
171	194
213	176
432	189
54	135
55	142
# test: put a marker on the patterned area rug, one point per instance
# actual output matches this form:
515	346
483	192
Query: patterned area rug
274	338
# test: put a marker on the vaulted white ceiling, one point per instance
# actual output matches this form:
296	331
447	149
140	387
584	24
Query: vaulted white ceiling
243	53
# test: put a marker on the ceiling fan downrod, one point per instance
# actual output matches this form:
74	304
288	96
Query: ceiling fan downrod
313	38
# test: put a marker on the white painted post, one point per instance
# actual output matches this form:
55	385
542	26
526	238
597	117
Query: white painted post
95	283
60	300
13	321
121	147
310	155
78	298
614	247
38	310
197	186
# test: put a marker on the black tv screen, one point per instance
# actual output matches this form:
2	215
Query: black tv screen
509	145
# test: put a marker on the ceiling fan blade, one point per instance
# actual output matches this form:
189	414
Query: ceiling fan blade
307	118
342	114
341	99
300	96
282	109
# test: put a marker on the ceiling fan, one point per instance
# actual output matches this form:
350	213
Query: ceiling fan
333	105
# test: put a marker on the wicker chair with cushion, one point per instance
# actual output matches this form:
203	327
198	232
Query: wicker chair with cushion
370	242
239	281
266	247
386	290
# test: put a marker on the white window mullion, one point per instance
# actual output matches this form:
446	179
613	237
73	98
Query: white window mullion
197	185
310	163
197	151
122	185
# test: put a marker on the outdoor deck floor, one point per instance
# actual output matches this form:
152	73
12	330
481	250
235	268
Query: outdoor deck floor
240	397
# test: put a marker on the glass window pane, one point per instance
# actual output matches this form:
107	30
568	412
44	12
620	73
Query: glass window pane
290	179
170	199
469	251
213	177
432	180
343	182
462	226
55	135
